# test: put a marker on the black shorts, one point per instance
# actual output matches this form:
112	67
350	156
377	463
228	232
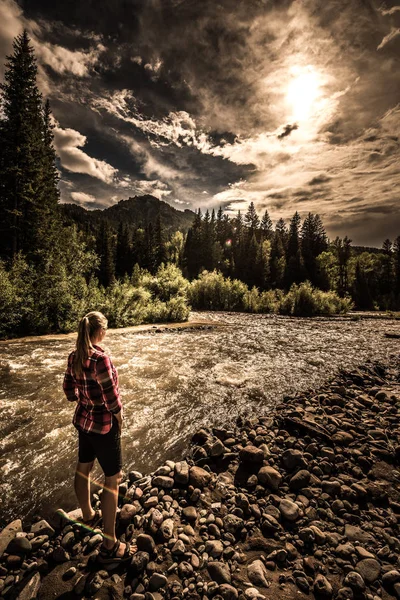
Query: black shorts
105	447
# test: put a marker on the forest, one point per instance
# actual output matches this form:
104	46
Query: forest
56	263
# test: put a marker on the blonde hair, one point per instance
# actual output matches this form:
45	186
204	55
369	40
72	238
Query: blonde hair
88	327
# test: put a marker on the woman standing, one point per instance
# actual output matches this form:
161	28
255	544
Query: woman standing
91	380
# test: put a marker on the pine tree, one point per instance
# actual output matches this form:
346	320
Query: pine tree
105	251
123	255
159	246
342	250
277	261
192	257
239	247
294	269
387	271
252	220
396	258
282	231
28	181
266	226
361	289
219	227
313	243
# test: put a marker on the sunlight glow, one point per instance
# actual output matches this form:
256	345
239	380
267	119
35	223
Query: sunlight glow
303	92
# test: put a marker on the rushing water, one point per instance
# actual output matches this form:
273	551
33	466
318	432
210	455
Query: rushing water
172	383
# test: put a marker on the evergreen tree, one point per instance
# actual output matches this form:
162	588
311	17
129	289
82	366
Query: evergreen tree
293	268
192	257
387	274
219	227
266	226
28	181
361	289
105	251
282	231
396	258
277	264
239	247
123	256
342	251
159	246
252	220
313	243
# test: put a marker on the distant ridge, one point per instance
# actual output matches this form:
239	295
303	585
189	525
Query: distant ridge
135	211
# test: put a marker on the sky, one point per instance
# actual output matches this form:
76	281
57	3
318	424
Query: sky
291	104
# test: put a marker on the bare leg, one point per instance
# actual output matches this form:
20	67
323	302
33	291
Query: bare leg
109	502
82	489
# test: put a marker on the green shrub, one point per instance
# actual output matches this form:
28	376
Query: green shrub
211	291
269	301
305	301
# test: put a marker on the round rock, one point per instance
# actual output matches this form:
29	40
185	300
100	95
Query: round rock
251	454
289	510
199	477
270	477
369	569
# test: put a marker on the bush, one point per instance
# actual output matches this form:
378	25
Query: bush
168	283
211	291
305	301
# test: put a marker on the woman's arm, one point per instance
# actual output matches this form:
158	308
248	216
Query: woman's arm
107	378
69	386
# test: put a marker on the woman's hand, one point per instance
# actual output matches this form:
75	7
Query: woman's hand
120	417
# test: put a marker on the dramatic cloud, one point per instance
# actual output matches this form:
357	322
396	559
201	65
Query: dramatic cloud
394	33
292	105
62	60
68	143
82	198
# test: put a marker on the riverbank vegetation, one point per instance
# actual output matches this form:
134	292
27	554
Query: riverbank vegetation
53	268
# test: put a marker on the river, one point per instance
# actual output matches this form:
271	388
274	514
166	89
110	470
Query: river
172	383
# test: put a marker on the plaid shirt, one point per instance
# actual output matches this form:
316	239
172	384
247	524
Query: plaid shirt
96	392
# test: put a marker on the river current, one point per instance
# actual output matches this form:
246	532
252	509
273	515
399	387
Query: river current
172	383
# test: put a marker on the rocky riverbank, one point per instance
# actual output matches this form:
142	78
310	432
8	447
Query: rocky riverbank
303	503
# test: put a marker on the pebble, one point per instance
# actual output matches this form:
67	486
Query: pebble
269	477
289	509
257	573
219	572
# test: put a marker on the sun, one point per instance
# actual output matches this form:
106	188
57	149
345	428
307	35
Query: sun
304	90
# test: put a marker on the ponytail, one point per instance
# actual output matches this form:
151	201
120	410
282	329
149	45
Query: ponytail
88	327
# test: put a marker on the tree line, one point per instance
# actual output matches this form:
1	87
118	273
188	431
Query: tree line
252	250
52	270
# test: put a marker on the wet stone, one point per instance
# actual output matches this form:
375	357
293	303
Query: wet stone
257	573
19	545
251	454
355	582
369	569
270	477
199	477
157	581
145	543
42	528
190	513
322	588
228	592
163	482
300	480
181	474
219	572
289	509
8	533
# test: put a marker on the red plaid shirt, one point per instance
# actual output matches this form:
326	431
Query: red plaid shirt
96	392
